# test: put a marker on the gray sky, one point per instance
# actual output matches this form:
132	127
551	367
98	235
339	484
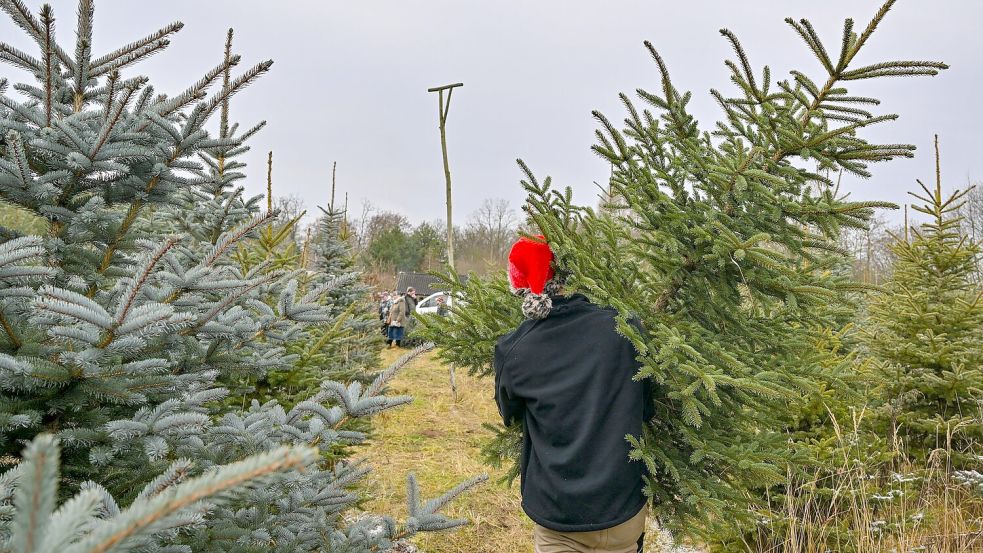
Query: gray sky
350	78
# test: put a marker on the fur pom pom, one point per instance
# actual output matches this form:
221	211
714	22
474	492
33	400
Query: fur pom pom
536	306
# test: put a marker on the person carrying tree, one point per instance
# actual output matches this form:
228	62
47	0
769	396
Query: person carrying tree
565	374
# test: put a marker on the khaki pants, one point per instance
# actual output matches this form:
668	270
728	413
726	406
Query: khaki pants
622	538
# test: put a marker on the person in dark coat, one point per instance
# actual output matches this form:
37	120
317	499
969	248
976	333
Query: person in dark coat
565	375
411	301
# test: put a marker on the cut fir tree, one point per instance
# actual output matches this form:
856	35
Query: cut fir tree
722	242
121	322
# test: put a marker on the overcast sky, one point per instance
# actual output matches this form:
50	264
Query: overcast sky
349	83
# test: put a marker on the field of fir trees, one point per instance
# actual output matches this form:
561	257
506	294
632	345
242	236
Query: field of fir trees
185	367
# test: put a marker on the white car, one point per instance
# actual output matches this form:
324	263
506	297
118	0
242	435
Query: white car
431	303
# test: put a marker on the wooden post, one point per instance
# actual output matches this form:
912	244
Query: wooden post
443	108
453	383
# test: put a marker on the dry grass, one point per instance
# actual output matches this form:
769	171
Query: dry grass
440	440
869	506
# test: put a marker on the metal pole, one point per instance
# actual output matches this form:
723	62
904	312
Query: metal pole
443	108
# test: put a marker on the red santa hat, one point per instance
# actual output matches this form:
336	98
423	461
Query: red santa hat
530	269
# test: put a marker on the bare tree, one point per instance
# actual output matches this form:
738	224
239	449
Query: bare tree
359	228
383	221
290	207
871	250
972	221
491	229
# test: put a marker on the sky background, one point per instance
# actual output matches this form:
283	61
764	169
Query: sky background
350	78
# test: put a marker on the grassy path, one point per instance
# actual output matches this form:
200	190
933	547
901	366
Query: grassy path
440	440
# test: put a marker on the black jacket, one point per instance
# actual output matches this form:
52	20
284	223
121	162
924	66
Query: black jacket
568	378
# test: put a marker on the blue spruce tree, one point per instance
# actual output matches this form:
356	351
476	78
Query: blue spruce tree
331	256
120	323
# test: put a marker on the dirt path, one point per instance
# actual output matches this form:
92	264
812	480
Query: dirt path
440	441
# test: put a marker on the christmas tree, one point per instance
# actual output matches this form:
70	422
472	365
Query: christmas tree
343	347
722	242
925	332
121	323
331	255
165	506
